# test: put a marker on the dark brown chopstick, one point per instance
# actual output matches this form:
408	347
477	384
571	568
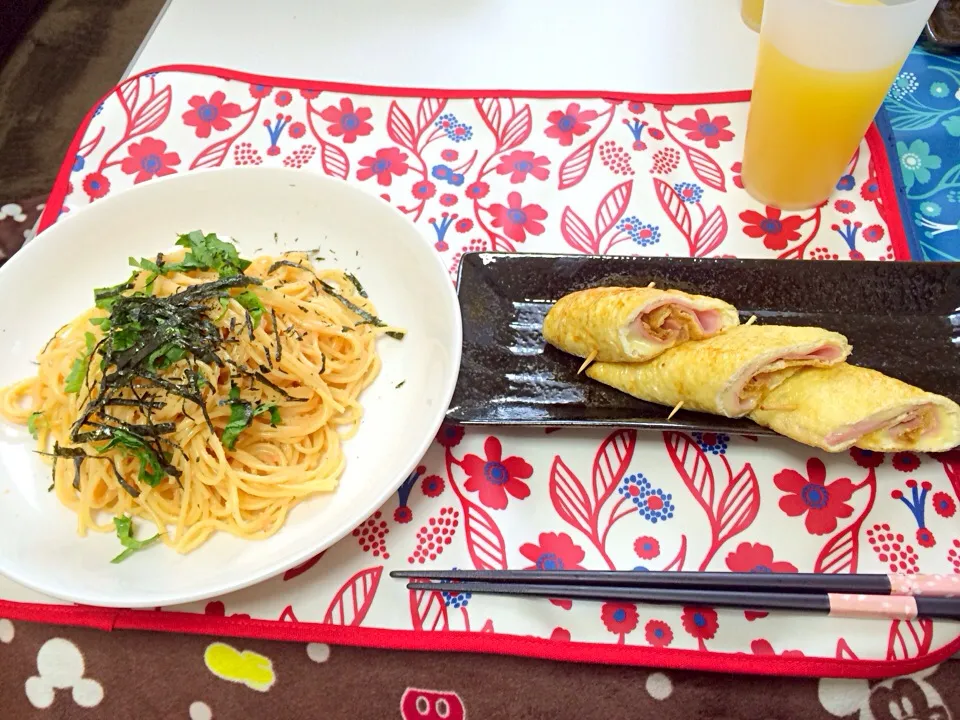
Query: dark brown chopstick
895	607
800	583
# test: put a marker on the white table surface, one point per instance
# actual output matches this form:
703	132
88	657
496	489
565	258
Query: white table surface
653	46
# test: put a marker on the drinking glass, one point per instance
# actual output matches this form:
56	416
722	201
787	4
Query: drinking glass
823	69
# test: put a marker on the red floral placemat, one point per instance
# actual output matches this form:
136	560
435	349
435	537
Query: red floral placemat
574	174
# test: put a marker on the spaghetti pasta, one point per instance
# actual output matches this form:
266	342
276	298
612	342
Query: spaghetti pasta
206	394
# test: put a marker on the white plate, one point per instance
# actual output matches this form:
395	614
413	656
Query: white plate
52	279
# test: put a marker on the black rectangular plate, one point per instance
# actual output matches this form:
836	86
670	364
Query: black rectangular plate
902	319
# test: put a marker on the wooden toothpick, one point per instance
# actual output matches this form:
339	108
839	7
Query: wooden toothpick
586	363
675	410
751	321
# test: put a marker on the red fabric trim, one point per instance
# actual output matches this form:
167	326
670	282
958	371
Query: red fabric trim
490	643
175	621
888	191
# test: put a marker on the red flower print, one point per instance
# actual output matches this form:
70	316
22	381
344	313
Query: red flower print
866	458
776	232
870	190
212	114
149	158
521	163
700	622
432	486
518	219
637	108
96	185
925	538
424	190
756	558
821	503
737	170
844	206
464	225
260	91
906	462
763	647
555	552
346	121
450	435
560	634
944	505
297	130
658	633
711	131
384	165
646	547
655	133
477	190
403	515
874	233
283	98
449	154
494	477
620	618
564	125
310	94
448	200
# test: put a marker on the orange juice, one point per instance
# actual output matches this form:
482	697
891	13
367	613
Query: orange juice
805	124
752	13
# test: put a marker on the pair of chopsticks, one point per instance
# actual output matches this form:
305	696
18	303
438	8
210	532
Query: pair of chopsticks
893	597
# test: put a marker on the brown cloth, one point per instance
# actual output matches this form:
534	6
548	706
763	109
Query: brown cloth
61	672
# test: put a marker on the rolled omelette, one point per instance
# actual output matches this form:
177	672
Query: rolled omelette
729	373
633	324
840	407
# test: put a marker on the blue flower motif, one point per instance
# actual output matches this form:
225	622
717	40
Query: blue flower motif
98	110
847	182
715	443
930	208
689	192
78	163
446	173
455	600
643	234
454	129
652	503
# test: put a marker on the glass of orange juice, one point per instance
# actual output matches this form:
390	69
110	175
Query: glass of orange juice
823	69
752	13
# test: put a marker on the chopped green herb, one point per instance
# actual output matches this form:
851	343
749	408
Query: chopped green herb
104	298
152	469
401	384
78	371
33	424
271	408
124	526
204	252
251	303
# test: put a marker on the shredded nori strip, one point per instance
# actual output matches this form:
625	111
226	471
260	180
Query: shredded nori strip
276	333
395	334
77	462
356	283
370	318
323	363
287	263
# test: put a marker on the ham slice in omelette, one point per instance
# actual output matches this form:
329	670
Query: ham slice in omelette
840	407
728	374
614	324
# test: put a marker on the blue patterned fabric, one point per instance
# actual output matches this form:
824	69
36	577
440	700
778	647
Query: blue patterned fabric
921	120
